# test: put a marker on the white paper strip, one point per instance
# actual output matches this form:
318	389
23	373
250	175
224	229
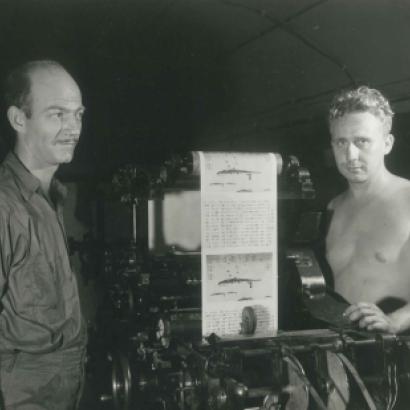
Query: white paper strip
239	242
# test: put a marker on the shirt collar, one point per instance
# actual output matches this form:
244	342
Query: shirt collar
27	182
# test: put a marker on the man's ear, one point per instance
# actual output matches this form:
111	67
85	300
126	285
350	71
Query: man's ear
388	143
17	118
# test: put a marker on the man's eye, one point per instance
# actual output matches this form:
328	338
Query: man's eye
361	142
339	143
57	114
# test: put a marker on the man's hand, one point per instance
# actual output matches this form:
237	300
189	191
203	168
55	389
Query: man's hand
370	317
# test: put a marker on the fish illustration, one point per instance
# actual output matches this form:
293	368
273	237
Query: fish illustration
233	171
223	293
218	294
231	281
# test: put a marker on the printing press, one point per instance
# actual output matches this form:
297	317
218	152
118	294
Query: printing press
152	350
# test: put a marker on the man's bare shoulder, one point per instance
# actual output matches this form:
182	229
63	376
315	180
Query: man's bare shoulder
336	202
399	190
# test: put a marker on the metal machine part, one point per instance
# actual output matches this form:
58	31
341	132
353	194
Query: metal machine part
153	355
338	384
121	382
323	303
249	321
292	371
296	388
332	380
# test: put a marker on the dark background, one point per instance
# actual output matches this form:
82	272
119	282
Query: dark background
165	76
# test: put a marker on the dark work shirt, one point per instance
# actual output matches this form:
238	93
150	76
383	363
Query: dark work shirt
39	302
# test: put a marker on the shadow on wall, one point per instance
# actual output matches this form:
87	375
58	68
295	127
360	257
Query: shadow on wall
77	226
145	94
6	135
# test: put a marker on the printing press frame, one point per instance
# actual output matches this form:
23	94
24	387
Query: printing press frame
152	355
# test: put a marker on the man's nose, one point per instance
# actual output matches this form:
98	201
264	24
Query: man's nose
352	152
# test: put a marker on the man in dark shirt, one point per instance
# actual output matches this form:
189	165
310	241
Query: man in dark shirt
42	333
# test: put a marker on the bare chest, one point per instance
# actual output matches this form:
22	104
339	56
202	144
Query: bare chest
373	235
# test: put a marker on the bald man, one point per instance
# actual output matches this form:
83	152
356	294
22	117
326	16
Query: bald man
42	332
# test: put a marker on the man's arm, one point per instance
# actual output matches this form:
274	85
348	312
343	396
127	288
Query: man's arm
370	317
5	250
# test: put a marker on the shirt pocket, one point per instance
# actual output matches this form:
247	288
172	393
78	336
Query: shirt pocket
40	278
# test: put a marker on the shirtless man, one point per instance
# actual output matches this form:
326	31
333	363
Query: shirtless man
368	242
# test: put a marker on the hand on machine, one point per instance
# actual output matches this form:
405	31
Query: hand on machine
368	316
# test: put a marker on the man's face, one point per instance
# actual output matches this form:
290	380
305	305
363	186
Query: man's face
359	141
52	131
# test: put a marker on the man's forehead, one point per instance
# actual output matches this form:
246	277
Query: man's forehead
356	119
53	84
